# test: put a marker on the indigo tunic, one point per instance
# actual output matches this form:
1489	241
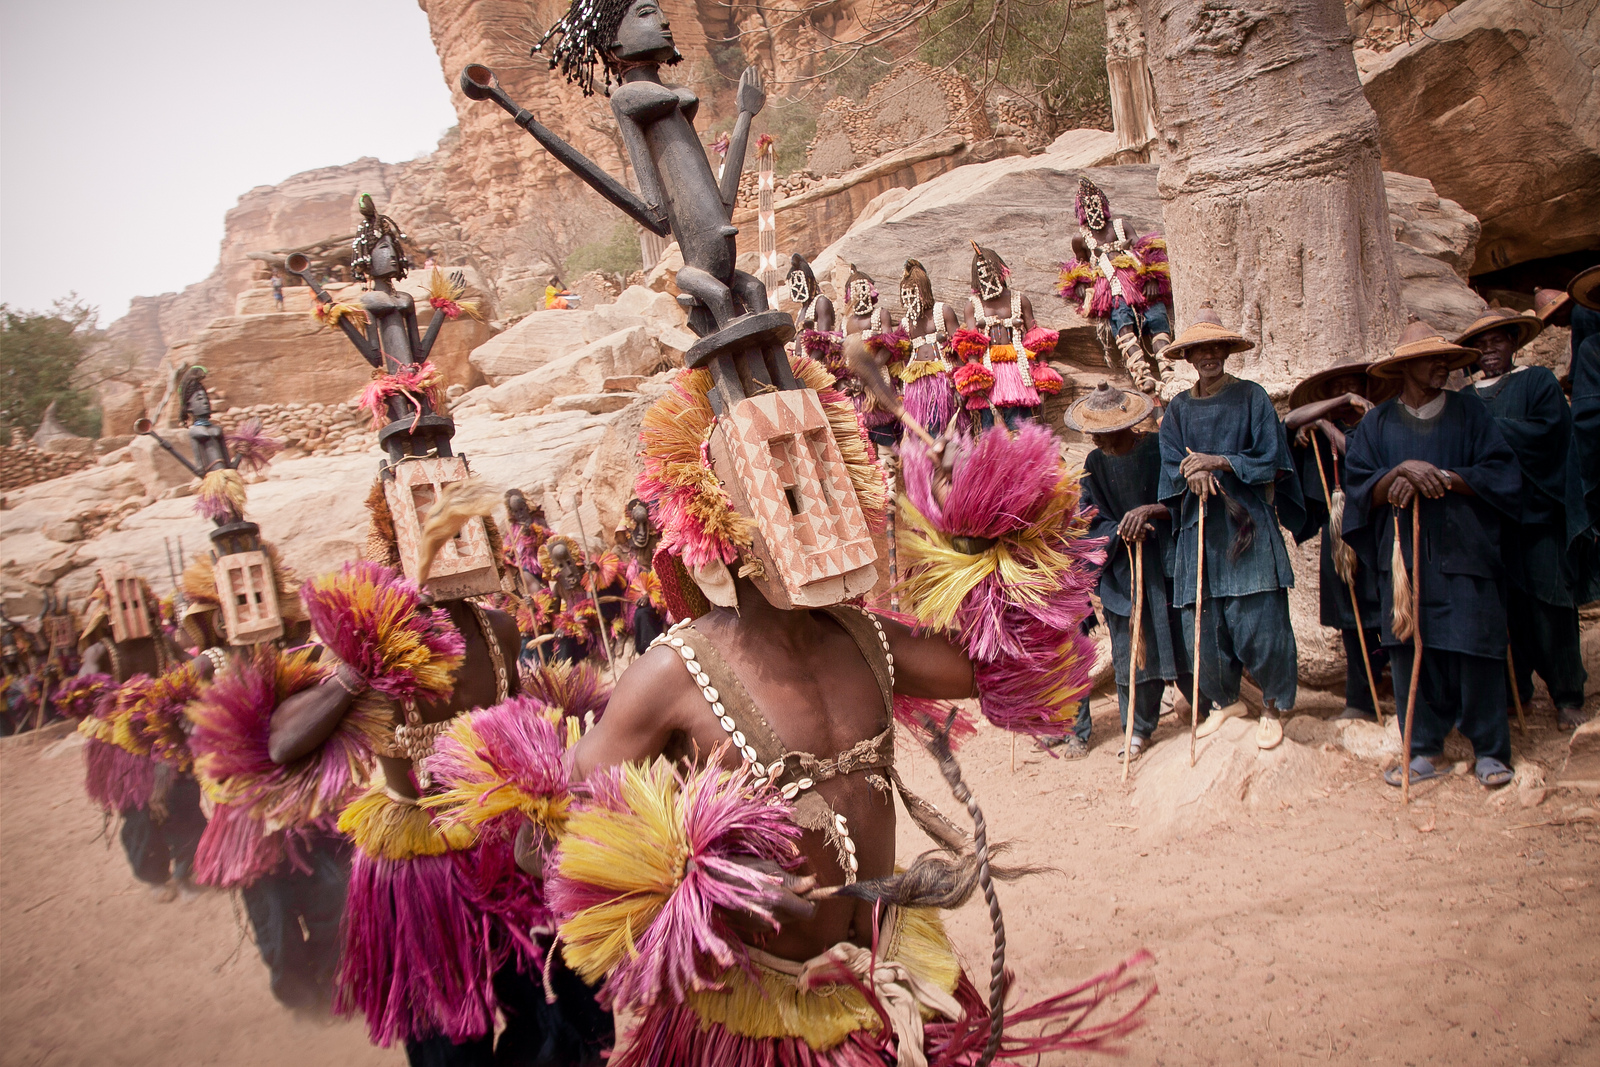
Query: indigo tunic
1463	604
1333	596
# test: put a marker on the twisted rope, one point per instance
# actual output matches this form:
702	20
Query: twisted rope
939	744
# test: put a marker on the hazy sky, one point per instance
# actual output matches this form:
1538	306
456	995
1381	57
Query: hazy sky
128	128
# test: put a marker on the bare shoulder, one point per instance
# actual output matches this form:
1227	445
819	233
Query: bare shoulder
649	705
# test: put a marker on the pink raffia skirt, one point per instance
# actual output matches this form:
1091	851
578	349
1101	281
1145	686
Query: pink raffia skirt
931	399
1009	389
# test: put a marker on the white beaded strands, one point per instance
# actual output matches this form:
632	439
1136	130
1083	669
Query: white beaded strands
839	831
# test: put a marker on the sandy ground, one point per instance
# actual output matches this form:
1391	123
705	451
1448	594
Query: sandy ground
1334	928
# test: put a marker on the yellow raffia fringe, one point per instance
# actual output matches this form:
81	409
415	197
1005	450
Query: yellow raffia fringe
673	431
772	1005
386	829
441	287
640	853
920	368
492	796
865	475
226	484
939	576
330	314
401	648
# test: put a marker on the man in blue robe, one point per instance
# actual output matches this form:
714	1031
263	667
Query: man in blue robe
1323	410
1438	456
1223	448
1583	306
1121	477
1541	606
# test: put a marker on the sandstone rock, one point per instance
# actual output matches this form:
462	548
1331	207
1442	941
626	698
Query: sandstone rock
1495	105
583	370
1231	777
663	276
65	530
1583	755
535	341
1369	741
593	403
1430	224
155	468
627	383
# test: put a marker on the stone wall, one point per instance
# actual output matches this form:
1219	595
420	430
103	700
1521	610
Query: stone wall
908	107
26	465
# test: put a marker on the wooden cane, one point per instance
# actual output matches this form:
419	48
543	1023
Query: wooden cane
1199	617
1416	644
1516	695
1135	646
1350	584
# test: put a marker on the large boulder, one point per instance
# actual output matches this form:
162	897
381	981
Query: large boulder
585	369
545	337
1495	104
1022	208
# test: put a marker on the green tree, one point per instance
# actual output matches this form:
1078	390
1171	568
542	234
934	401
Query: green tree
1054	50
43	358
617	252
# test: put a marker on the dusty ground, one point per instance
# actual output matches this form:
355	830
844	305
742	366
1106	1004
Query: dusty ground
1334	928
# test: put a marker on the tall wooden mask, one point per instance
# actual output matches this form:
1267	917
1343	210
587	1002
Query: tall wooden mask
125	603
464	566
776	456
248	592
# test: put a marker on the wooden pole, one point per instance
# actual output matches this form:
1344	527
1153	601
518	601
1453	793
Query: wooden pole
1516	695
1136	559
1199	618
1350	584
1416	644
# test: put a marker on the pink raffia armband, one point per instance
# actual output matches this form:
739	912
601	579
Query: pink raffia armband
1004	561
649	856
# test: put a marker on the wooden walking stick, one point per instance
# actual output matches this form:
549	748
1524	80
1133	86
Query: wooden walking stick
1199	618
1135	650
1349	582
1516	694
1416	639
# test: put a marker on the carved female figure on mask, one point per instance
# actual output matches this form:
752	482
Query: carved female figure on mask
929	388
1012	342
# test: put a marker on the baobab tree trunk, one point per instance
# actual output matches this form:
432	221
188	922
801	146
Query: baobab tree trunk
1133	96
1271	188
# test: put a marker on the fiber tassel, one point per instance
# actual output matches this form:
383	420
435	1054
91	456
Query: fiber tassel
330	314
252	449
1005	561
1244	527
78	696
445	293
236	851
115	780
501	766
1402	623
221	497
577	689
458	504
1344	557
373	619
647	862
414	381
232	728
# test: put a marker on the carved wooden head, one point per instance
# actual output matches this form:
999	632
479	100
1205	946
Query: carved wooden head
125	603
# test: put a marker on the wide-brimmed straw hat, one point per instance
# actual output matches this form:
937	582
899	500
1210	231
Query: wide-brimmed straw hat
1206	329
1548	303
1108	409
1319	386
1585	288
1421	341
1527	327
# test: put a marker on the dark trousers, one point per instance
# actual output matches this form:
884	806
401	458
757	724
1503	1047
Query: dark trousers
1357	693
1246	633
647	626
296	915
1544	638
1467	693
161	851
573	1032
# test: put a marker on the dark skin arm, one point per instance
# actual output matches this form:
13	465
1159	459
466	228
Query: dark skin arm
1139	521
1318	412
96	660
825	320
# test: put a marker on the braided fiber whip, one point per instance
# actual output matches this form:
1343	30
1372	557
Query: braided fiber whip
939	744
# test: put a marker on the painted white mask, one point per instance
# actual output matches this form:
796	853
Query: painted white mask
911	300
990	283
861	300
799	288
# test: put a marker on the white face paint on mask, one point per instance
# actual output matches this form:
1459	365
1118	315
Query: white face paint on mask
990	283
861	298
911	300
799	288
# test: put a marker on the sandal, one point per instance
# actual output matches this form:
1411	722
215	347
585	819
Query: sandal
1269	733
1422	769
1491	772
1070	747
1570	718
1135	748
